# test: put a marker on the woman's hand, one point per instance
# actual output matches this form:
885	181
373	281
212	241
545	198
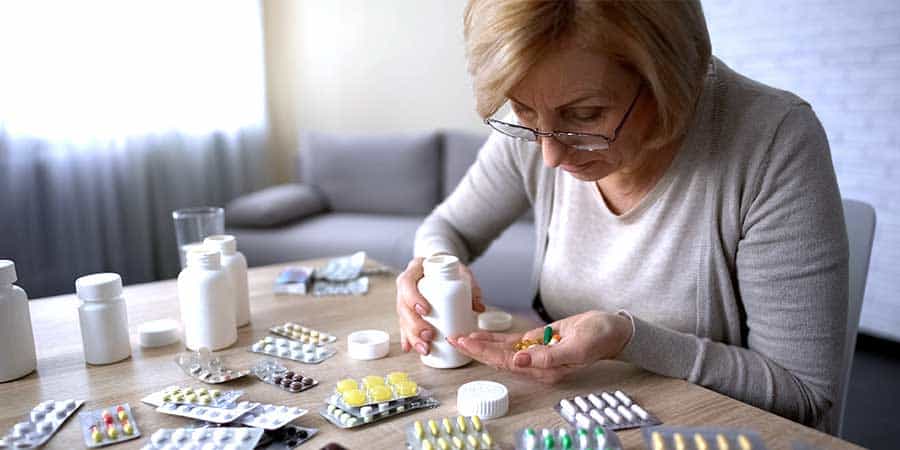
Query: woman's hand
584	339
415	332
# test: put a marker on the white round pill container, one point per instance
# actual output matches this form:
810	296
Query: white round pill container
103	318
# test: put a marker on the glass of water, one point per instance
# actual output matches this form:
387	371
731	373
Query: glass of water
192	225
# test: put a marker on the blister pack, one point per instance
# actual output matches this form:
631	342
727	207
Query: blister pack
272	372
286	438
204	366
294	350
701	438
207	438
208	414
461	432
344	268
343	419
271	417
613	411
359	286
294	280
303	334
193	396
108	426
40	424
597	438
375	393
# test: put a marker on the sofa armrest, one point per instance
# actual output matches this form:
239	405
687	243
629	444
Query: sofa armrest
274	206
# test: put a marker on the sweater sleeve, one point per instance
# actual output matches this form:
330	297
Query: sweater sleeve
792	280
490	197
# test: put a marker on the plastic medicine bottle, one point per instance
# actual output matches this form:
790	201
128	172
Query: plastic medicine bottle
103	318
16	339
235	265
207	302
451	312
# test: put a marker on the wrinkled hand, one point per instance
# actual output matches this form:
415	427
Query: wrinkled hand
415	332
585	338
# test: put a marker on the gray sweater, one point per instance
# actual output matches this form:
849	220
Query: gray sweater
772	285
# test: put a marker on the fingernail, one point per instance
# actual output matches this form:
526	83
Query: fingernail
523	359
420	309
427	335
420	347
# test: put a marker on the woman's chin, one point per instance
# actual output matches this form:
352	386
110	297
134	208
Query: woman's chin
591	172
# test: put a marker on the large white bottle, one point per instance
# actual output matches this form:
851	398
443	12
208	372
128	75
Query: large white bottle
450	297
207	303
235	266
17	357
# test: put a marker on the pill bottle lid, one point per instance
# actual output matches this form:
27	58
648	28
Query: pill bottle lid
99	286
203	257
494	321
7	272
441	266
223	243
157	333
485	399
368	344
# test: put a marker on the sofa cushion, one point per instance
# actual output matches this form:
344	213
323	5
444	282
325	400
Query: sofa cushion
273	206
460	150
384	174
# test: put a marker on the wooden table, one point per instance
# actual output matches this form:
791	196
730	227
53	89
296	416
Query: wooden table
63	374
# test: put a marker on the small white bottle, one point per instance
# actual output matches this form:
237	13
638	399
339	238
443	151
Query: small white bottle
451	312
103	318
235	265
17	357
206	300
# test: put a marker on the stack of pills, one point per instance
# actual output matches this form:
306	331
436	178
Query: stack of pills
550	338
100	427
615	411
682	438
596	438
449	433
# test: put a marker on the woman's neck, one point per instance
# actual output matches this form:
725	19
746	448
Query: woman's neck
624	189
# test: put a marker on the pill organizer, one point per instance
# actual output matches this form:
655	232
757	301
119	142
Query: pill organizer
40	424
206	438
208	414
596	438
193	396
203	366
286	438
271	417
108	426
294	350
303	334
705	438
374	392
459	432
613	411
344	419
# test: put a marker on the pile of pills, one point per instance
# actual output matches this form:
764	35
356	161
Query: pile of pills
374	390
303	334
101	427
680	438
40	424
193	396
449	433
208	414
272	372
596	438
231	438
550	338
615	411
294	350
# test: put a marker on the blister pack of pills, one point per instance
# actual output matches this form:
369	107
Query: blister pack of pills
207	438
193	396
206	413
286	438
613	411
203	366
40	424
359	286
461	432
303	334
272	372
294	280
374	392
702	438
344	419
108	426
271	417
596	438
344	268
293	350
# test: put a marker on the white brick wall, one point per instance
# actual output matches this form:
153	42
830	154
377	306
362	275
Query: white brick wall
844	58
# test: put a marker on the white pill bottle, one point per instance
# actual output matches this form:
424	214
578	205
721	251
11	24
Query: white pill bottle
17	357
103	318
207	302
450	297
235	265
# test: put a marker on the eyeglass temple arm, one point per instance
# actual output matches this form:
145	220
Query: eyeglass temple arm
627	113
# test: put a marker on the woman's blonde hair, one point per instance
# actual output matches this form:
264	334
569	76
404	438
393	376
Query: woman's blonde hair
665	42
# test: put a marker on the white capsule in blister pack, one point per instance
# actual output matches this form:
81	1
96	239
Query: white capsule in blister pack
613	411
271	417
206	438
40	424
207	414
294	350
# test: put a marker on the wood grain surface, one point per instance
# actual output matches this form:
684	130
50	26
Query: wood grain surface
63	374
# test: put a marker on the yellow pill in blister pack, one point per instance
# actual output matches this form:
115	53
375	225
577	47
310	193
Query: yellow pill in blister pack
657	439
679	441
448	427
346	384
419	430
487	439
433	427
372	380
700	442
354	397
473	442
457	442
442	444
406	388
476	423
426	445
461	423
397	377
744	443
380	393
721	441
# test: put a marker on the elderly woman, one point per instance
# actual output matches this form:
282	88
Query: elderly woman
688	218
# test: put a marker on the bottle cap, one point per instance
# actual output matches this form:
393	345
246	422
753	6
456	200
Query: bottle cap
485	399
99	286
157	333
441	265
368	344
7	272
494	321
223	243
203	257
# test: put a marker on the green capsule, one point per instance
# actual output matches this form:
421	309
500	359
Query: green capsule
548	334
549	444
566	442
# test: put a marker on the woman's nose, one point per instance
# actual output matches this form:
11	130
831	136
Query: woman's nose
553	151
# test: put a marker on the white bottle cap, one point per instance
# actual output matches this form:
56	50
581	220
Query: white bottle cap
485	399
368	344
494	321
223	243
7	272
203	257
157	333
441	265
99	287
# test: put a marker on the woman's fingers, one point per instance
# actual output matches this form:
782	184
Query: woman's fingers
477	298
418	333
505	338
562	355
408	290
491	353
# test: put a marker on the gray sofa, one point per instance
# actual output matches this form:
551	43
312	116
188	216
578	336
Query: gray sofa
371	192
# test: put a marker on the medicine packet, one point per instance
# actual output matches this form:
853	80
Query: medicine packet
613	411
204	366
106	426
193	396
359	286
294	280
394	389
40	424
596	438
271	417
344	419
208	414
297	332
344	268
458	432
701	438
213	438
293	350
272	372
286	438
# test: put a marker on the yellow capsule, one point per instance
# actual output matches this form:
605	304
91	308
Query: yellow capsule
433	426
97	436
112	432
457	442
380	393
354	397
127	428
419	430
476	423
487	439
461	423
448	426
473	442
426	445
214	393
187	390
658	443
190	398
744	443
396	377
700	442
373	380
721	441
679	441
346	384
200	391
442	444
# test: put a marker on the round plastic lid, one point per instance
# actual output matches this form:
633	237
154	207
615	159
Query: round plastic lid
368	344
224	243
494	321
157	333
99	287
485	399
7	271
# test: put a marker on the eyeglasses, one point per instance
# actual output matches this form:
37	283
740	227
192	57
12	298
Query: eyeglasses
579	141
